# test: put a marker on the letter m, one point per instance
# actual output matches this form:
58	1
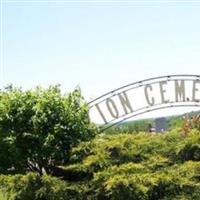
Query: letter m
179	90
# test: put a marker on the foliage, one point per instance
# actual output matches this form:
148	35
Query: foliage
147	125
131	127
120	167
50	133
34	187
141	166
39	127
191	123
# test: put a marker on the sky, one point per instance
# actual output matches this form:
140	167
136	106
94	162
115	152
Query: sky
97	45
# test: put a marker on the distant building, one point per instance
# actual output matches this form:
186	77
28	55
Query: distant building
160	124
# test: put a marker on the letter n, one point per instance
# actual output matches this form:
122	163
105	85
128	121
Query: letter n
125	102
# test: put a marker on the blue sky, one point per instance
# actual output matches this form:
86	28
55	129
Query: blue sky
98	46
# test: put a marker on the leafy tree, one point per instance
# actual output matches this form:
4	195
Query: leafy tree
39	127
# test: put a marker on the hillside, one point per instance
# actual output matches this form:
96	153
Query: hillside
138	166
145	124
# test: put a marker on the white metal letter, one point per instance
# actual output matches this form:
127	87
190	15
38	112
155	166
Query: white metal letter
162	91
152	101
180	90
112	108
194	90
101	113
125	102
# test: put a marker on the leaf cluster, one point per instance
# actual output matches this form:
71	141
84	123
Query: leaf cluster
39	127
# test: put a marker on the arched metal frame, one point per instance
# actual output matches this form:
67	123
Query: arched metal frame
147	108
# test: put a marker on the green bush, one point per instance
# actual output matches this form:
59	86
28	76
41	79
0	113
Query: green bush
39	127
119	167
34	187
19	187
141	166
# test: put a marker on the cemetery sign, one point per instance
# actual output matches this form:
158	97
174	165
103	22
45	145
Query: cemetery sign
145	96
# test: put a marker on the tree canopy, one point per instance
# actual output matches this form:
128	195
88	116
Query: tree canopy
39	127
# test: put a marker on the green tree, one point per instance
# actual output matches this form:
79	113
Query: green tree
39	127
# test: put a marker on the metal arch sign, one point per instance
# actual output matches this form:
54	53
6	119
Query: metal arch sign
144	96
